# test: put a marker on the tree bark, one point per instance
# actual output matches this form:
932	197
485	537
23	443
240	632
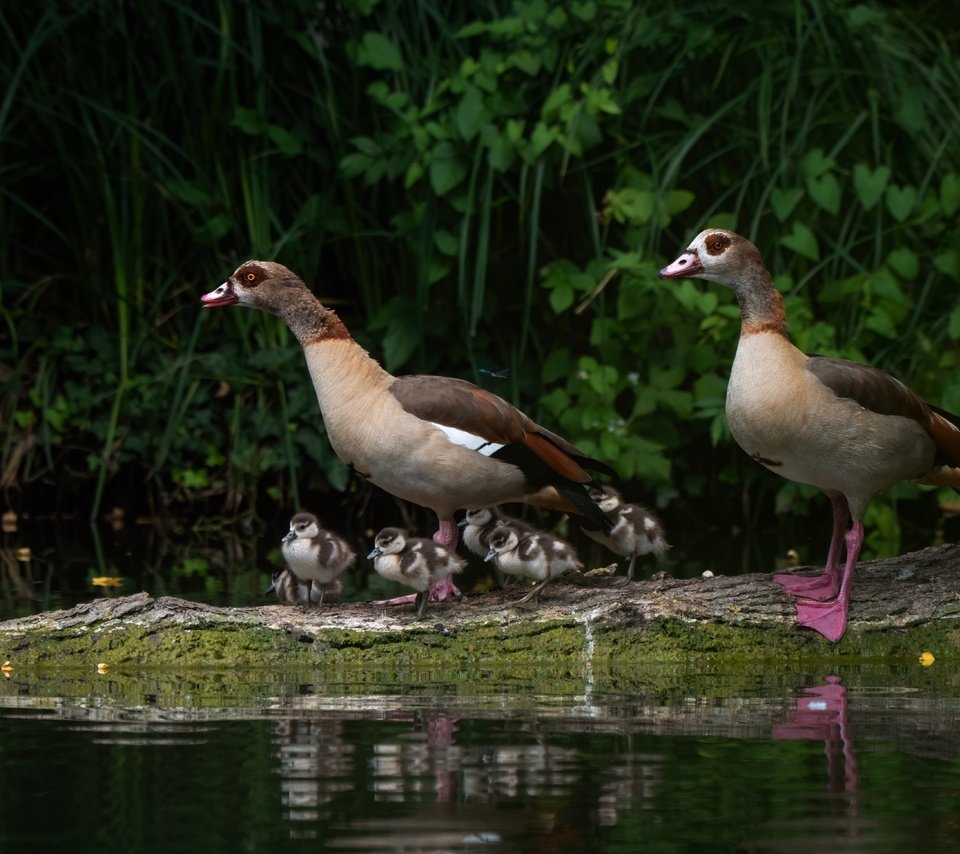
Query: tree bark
901	607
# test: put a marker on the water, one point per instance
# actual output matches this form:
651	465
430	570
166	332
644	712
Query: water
865	758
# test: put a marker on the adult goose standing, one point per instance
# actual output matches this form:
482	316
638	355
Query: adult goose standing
849	429
439	442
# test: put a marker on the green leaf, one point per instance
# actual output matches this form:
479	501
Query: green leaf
802	241
825	192
471	114
188	193
541	139
379	52
870	184
586	12
815	163
446	242
953	326
950	193
678	201
784	201
632	206
561	298
288	143
948	263
904	263
447	170
900	201
556	99
249	121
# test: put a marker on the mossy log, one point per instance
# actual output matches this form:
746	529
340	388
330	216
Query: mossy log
901	607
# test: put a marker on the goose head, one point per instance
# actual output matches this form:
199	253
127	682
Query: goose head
716	255
389	541
265	285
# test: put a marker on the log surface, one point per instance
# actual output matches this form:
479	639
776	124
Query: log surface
898	604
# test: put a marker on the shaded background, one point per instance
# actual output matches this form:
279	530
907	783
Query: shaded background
455	182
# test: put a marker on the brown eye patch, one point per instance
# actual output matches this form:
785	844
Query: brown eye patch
250	276
716	243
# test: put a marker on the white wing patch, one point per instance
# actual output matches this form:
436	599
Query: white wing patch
468	440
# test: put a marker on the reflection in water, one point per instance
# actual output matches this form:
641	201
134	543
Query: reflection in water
672	769
821	714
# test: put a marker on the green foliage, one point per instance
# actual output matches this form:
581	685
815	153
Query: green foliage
479	185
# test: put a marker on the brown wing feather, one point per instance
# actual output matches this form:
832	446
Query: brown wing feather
461	404
559	461
879	392
872	388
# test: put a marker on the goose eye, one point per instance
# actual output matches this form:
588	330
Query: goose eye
251	277
717	243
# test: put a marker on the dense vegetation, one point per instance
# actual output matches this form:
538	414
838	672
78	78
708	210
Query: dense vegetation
456	179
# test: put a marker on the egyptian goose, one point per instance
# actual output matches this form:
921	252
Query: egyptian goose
539	556
636	531
848	429
316	556
290	590
438	442
416	562
478	524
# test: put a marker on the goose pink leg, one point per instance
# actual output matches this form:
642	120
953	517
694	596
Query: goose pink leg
830	618
446	536
822	587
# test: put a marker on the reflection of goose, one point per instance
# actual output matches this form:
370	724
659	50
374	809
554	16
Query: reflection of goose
315	764
821	714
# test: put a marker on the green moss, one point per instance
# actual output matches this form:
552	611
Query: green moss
561	645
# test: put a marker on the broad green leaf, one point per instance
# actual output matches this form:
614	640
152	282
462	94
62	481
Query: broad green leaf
802	241
249	121
953	326
541	139
825	192
784	201
446	242
904	262
557	365
379	52
948	263
471	114
679	200
950	193
815	163
631	206
586	12
561	298
188	192
556	99
900	201
870	184
447	170
288	143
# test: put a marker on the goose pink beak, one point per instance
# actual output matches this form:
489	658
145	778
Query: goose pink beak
223	295
687	264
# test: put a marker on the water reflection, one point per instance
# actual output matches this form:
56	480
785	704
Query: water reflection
763	763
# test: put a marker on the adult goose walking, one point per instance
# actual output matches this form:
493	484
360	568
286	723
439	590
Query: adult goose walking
438	442
849	429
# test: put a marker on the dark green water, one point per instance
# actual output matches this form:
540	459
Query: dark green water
699	759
